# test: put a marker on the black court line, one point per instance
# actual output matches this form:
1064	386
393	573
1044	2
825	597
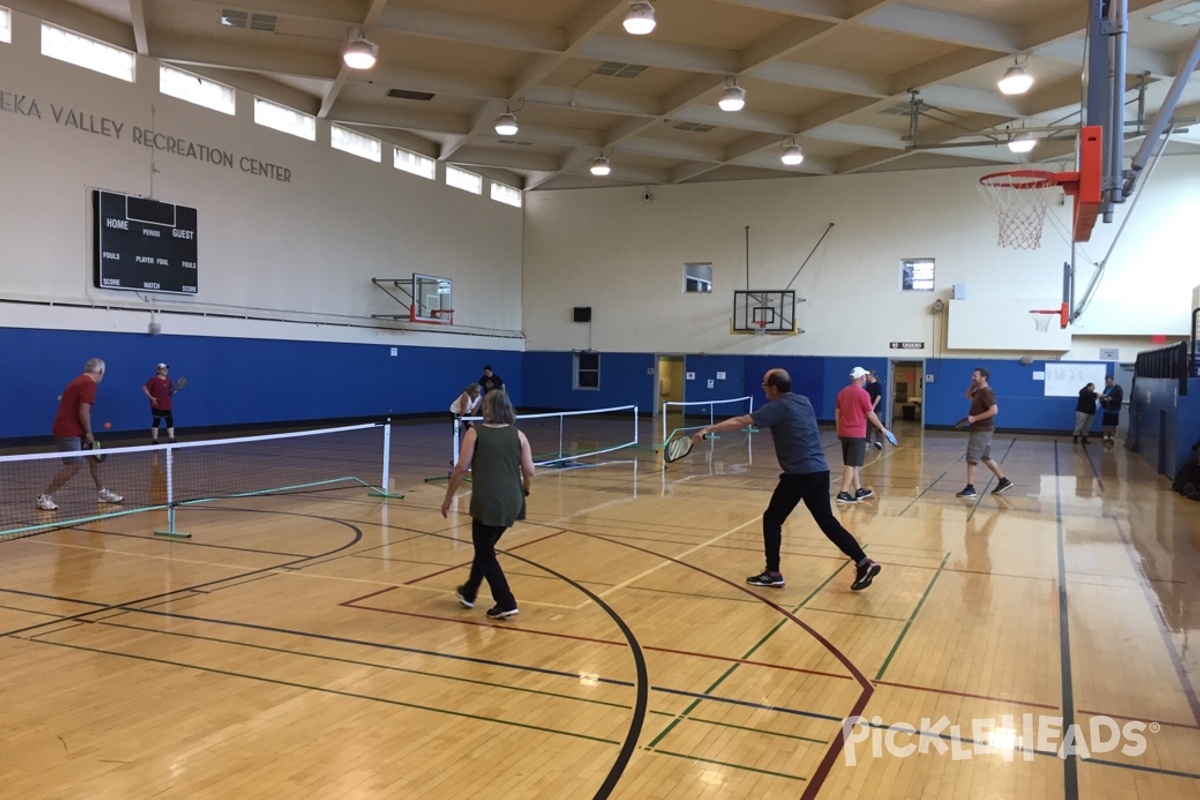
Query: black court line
1070	764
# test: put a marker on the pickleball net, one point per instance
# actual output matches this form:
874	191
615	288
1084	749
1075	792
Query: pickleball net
166	476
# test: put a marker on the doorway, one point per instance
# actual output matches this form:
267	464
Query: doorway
669	388
907	382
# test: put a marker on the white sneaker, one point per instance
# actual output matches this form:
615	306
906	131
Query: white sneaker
46	503
110	497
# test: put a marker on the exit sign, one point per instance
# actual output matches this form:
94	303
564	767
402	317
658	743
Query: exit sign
907	345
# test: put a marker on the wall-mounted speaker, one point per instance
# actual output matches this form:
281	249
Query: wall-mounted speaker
583	313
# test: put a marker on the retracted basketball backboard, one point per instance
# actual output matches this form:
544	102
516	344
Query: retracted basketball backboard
427	298
764	311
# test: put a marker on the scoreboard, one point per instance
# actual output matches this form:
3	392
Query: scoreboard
143	245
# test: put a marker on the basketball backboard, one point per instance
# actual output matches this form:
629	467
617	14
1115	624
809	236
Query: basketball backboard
764	311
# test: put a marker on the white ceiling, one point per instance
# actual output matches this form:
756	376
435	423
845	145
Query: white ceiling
833	75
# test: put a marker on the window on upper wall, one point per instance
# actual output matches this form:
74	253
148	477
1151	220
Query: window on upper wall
413	162
697	277
587	371
461	179
282	118
194	89
916	274
355	143
5	25
84	51
506	194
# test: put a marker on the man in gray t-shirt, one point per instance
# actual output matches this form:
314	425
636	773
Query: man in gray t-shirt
793	425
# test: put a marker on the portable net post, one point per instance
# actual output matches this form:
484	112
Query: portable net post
383	490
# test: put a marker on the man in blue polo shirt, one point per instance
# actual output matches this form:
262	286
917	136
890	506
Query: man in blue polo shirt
793	425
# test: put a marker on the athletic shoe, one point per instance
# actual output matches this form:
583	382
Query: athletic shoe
846	497
766	579
968	491
496	612
1003	486
110	497
863	494
863	575
461	594
1084	440
46	503
878	445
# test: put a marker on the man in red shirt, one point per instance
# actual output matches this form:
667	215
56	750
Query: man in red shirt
852	413
159	390
73	432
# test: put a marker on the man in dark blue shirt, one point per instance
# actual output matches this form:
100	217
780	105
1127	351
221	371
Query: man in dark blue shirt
793	425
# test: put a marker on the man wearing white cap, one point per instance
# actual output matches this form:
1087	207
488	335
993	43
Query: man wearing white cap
159	390
852	412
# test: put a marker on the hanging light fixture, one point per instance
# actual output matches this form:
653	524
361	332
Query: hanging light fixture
360	53
1022	142
1016	80
600	166
734	96
792	154
639	20
506	123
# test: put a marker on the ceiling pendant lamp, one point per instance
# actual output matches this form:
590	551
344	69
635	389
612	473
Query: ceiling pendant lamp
733	98
1016	80
360	53
600	166
506	123
639	20
792	154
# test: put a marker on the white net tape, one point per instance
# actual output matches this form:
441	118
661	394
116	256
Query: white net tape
1020	200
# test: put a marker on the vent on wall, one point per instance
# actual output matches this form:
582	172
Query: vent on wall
619	70
407	94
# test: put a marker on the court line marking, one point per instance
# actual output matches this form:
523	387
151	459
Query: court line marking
911	617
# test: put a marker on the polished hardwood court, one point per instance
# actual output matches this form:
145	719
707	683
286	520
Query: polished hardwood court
309	645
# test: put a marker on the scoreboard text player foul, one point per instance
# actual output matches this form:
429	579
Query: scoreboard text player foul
143	245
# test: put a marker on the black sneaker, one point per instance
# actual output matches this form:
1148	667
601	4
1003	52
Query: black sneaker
496	612
461	594
1003	486
863	575
863	494
846	497
878	445
766	579
968	491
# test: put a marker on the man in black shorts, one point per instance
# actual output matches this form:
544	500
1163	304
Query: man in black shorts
793	425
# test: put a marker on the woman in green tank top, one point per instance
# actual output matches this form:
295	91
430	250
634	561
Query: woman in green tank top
501	478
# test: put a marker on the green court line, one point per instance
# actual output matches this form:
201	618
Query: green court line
922	494
856	614
913	616
692	706
690	757
324	690
754	729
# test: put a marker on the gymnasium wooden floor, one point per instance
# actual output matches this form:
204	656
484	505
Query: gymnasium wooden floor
310	645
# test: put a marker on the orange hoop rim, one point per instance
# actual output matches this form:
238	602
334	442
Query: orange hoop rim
1020	179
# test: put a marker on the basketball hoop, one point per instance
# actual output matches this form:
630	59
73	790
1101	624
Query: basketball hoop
1043	317
1020	198
760	327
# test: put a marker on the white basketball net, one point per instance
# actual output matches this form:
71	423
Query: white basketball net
1043	319
760	327
1020	199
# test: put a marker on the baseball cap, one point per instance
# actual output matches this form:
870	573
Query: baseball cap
161	365
858	372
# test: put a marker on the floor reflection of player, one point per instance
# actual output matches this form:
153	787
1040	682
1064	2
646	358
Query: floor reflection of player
977	588
158	478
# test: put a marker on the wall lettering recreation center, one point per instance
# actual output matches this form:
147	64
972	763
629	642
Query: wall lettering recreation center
143	245
99	125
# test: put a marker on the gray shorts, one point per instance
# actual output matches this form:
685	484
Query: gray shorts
979	446
69	444
854	451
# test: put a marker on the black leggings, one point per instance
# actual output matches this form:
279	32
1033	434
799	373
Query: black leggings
170	419
813	489
486	567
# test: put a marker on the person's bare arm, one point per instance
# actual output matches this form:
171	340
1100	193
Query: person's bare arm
731	424
85	420
991	412
465	454
527	468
